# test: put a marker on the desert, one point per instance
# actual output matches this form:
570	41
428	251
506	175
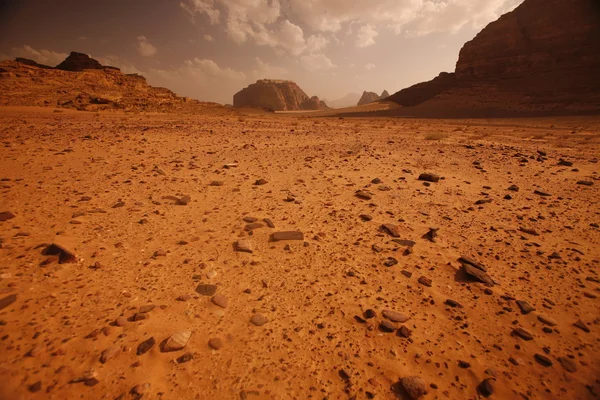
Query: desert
442	242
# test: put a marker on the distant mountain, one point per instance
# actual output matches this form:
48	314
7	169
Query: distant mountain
370	97
277	95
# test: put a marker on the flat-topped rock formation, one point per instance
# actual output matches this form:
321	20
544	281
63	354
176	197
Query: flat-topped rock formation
82	83
541	58
276	95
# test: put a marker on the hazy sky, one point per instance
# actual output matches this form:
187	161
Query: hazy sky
210	49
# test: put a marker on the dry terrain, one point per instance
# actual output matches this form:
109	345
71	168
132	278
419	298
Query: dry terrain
166	281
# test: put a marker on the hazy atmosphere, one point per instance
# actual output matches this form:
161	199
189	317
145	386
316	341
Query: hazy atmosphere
210	49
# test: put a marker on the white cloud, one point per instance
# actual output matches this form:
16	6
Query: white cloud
144	47
209	38
46	57
316	43
207	7
370	66
316	62
366	36
264	70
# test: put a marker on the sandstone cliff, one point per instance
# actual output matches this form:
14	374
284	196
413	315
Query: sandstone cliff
541	58
277	95
26	83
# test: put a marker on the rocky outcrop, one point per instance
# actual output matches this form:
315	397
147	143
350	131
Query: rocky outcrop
424	91
277	95
78	62
542	58
370	97
27	61
25	83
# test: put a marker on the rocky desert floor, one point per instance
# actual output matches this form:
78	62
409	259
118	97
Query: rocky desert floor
288	257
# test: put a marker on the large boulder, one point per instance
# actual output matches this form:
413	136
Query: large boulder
277	95
78	62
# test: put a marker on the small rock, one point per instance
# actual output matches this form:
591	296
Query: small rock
6	215
364	195
64	256
147	308
141	389
220	300
121	321
546	320
7	301
567	364
109	353
453	303
431	235
243	245
404	331
145	346
477	274
258	319
206	289
177	341
386	326
184	201
429	177
414	387
486	388
390	262
260	182
464	364
215	343
366	217
391	230
287	235
522	333
543	360
425	281
541	193
368	314
470	261
581	325
394	316
253	226
185	358
216	183
35	387
525	307
585	183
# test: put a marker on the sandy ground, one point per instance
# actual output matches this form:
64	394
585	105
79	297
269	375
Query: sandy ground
106	187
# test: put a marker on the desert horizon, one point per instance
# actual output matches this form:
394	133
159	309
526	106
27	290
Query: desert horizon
428	228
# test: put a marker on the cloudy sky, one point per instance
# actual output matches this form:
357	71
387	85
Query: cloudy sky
210	49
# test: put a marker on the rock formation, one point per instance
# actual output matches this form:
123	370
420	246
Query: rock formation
82	83
78	62
370	97
541	58
277	95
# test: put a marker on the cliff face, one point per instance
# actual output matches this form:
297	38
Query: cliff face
541	58
26	83
277	95
538	36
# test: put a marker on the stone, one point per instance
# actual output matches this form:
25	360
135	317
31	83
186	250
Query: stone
206	289
546	320
513	188
581	325
394	316
425	281
541	193
363	195
177	341
7	301
121	321
109	353
287	235
215	343
525	307
35	387
585	183
470	261
522	333
260	182
366	217
258	319
140	316
145	346
6	215
414	387
147	308
391	230
486	388
244	246
464	364
64	256
269	223
220	300
253	226
543	360
184	201
386	326
477	274
216	183
529	231
427	177
185	358
404	332
453	303
390	262
369	313
404	242
276	95
568	364
431	235
141	389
